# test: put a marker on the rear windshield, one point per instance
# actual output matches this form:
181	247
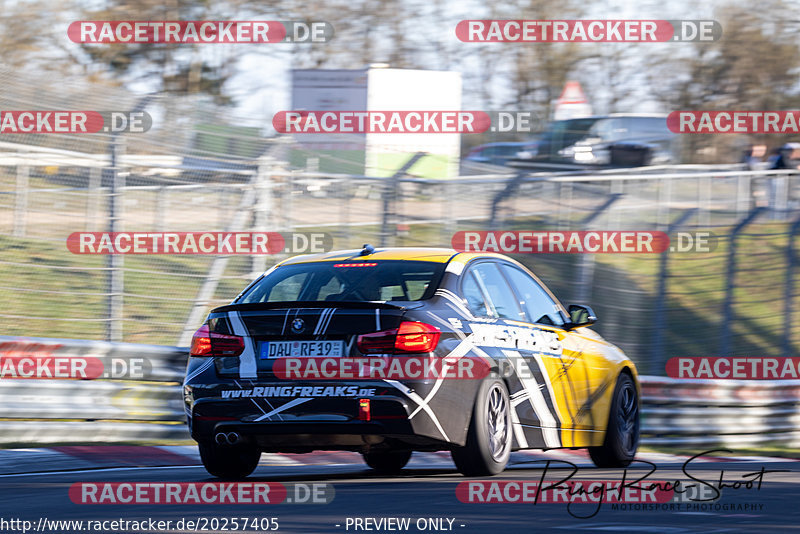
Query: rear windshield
353	281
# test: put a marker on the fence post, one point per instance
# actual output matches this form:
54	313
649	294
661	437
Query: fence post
617	190
704	186
586	262
564	205
743	195
511	187
727	308
206	292
287	200
21	198
262	210
344	232
664	198
791	264
115	262
779	197
390	191
449	227
661	294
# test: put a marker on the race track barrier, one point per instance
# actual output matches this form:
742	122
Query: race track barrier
141	402
148	407
726	413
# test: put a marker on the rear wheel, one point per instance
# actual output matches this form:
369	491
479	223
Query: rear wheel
229	462
488	446
622	433
387	461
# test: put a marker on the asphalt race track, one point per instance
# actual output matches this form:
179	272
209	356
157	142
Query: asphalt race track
427	489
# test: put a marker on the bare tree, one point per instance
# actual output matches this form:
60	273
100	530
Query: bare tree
754	66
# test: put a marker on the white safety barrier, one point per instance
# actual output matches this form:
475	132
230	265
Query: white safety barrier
727	413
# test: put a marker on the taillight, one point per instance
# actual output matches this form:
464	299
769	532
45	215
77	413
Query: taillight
377	342
205	343
409	337
416	337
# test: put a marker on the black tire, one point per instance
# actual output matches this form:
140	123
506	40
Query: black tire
622	432
387	461
488	446
229	462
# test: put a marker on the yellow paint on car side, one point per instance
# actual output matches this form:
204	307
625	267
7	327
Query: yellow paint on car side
583	381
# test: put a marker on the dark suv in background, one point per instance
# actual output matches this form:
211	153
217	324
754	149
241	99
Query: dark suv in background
619	140
499	153
559	136
626	141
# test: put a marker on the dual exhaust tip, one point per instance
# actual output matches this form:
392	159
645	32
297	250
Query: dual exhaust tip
229	438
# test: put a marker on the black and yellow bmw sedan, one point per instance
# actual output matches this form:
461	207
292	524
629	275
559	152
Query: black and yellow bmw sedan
466	352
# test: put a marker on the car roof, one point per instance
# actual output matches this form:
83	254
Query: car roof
438	255
435	255
617	115
638	115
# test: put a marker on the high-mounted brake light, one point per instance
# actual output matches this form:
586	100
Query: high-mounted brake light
409	338
205	343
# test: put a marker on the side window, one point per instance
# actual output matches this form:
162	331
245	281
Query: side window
501	299
474	296
576	131
609	130
537	303
620	128
650	126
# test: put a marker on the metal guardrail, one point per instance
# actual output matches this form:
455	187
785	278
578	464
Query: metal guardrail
144	407
676	413
728	413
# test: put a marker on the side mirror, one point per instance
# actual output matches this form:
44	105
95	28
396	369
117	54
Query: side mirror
580	315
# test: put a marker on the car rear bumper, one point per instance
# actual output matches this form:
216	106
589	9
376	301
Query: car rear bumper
332	423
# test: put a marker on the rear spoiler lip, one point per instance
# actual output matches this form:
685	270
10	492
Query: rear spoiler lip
265	306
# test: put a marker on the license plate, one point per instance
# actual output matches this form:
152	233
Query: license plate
301	349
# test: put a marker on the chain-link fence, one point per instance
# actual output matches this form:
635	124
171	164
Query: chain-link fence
206	172
726	300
